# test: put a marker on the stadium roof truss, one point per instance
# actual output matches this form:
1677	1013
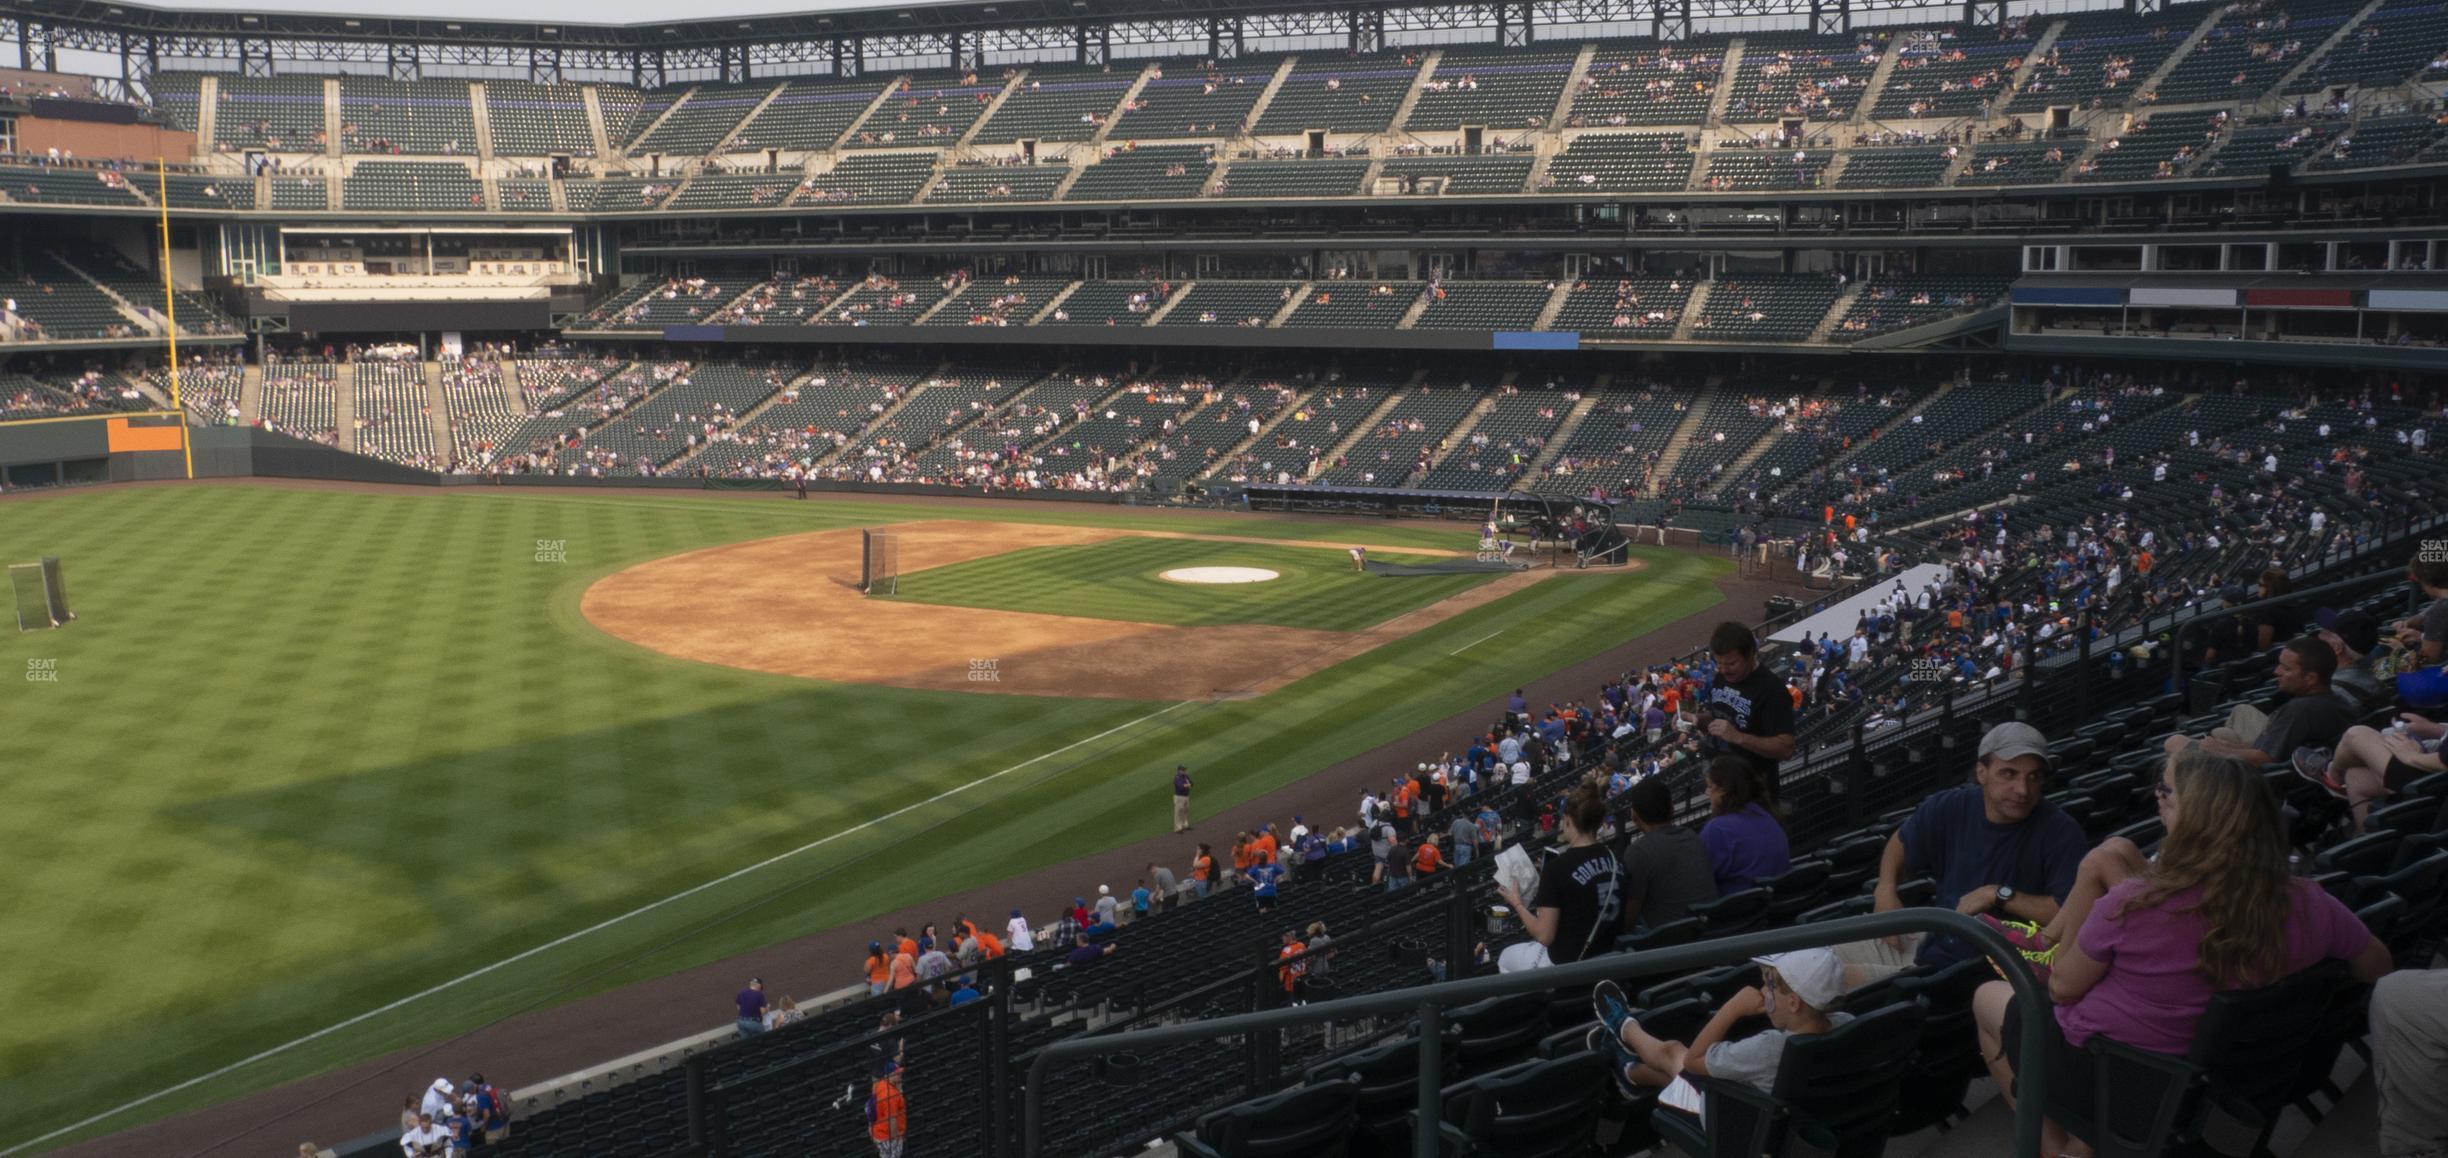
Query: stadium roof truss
966	34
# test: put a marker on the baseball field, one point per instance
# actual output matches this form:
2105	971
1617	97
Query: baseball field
322	773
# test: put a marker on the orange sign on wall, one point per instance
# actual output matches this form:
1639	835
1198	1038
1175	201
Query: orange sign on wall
126	436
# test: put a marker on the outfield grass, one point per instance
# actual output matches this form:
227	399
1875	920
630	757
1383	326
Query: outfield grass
1118	579
311	752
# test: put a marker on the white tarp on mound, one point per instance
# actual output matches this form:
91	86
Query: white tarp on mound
1837	621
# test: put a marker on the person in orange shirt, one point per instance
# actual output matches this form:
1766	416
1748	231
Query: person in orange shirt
904	969
1291	974
1427	860
1263	846
1955	619
879	968
887	1112
1796	693
1202	871
2142	563
907	945
1404	789
1244	855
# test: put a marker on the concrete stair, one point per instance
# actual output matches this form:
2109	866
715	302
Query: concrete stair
437	410
1555	304
250	394
992	107
1691	310
513	395
2200	31
1564	430
2031	60
1130	94
1158	314
1412	314
1572	86
1836	312
1299	294
1265	430
890	87
1054	303
1759	447
1419	84
1901	419
1358	430
1455	439
208	118
1693	416
331	120
1877	84
595	122
344	410
665	115
1274	85
2271	98
761	106
483	118
1724	95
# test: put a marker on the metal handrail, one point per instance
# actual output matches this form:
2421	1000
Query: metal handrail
1429	1002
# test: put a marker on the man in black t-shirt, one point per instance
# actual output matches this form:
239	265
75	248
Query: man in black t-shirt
1750	711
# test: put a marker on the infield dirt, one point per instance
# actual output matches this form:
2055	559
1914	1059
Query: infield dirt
791	606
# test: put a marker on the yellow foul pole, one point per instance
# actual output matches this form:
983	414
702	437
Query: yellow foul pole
161	198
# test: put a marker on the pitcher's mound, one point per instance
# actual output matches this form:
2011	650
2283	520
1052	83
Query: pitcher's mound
1218	575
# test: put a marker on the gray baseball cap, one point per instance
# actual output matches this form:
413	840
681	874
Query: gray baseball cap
2009	740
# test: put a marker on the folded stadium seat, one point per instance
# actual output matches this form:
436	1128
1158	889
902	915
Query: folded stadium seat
2419	883
2410	815
1933	1092
2246	1061
808	115
1852	860
1466	174
1853	906
1538	1109
1301	1121
2371	854
381	115
1387	1078
1497	1032
278	113
869	179
1666	936
1835	1092
1801	887
1339	93
1500	88
1195	99
1321	177
972	184
1620	163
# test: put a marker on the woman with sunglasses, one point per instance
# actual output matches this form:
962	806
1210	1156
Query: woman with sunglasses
2215	910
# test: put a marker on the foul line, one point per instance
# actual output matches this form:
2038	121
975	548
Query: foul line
1457	651
599	926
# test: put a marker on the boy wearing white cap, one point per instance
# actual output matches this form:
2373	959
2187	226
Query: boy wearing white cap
1796	991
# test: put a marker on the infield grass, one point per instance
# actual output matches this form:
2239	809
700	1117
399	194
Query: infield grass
1120	579
310	752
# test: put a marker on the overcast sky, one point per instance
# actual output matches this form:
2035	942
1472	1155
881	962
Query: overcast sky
575	11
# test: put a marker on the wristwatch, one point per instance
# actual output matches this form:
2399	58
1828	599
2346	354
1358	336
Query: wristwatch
2005	894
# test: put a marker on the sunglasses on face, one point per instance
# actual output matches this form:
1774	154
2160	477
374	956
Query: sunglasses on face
2164	790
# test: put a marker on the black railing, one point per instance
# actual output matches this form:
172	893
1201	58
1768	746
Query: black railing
1429	1003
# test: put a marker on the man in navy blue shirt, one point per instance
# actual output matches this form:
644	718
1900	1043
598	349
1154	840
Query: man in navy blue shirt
1993	846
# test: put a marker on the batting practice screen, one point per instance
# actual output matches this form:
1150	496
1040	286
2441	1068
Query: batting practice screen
880	562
